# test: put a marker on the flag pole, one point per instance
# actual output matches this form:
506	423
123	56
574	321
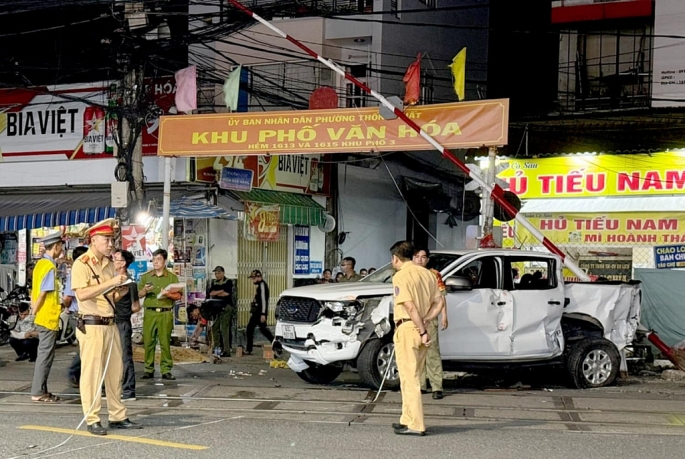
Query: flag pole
495	191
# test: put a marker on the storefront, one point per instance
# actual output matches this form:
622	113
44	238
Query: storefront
283	153
282	208
611	213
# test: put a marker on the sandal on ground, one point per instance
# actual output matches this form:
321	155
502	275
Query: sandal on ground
47	398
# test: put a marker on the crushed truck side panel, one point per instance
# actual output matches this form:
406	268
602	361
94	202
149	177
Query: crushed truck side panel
616	306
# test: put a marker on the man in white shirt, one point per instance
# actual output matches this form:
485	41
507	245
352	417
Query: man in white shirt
24	337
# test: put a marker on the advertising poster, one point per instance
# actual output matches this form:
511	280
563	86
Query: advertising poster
669	256
301	259
133	240
262	222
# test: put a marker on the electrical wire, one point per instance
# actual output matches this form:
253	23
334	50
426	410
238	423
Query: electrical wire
416	219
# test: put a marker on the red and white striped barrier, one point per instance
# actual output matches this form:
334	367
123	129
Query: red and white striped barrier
496	192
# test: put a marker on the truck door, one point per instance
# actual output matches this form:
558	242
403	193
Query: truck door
480	318
538	305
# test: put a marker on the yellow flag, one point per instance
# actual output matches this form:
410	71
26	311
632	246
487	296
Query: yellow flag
458	67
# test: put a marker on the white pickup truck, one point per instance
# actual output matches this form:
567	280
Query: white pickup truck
493	320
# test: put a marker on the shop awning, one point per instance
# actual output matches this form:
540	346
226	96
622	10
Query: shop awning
193	208
605	204
296	209
31	203
51	219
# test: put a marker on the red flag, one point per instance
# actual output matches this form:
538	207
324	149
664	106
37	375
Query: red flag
412	82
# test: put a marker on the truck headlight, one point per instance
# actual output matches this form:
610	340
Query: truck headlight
343	308
335	306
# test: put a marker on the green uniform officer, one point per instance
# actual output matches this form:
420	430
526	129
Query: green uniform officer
433	366
158	320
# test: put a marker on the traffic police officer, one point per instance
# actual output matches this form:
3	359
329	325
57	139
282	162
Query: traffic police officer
417	300
94	283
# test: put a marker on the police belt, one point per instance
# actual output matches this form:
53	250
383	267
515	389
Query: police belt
97	320
158	309
399	322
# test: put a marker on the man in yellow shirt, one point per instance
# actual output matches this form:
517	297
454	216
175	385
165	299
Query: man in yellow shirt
417	301
95	285
46	307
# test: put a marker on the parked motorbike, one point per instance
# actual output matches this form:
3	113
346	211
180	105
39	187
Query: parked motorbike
5	327
67	328
9	310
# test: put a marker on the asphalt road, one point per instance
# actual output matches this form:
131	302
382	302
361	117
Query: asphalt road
215	411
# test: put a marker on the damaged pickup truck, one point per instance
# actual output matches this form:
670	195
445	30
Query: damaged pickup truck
494	321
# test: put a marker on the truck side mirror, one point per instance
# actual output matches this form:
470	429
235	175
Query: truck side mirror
458	283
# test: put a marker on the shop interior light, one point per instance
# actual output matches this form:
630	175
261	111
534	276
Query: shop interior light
145	217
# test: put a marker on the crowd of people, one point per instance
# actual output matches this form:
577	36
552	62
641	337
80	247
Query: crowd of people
347	272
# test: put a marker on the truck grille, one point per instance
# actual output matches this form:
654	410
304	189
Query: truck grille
294	309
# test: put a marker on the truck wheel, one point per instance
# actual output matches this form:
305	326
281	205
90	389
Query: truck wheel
320	374
593	362
372	363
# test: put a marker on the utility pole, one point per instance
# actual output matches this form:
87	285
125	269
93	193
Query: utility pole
133	87
488	205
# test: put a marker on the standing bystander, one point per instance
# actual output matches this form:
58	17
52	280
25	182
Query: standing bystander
221	290
347	269
46	307
70	302
259	311
127	304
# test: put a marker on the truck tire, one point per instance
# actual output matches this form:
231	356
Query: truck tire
320	374
372	363
593	362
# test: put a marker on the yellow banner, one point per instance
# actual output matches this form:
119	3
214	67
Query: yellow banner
612	229
596	175
455	125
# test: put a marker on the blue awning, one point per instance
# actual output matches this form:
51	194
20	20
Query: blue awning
193	208
51	219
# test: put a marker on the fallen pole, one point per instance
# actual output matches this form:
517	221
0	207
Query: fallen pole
495	191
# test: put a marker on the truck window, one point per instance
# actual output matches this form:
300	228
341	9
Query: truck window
530	273
483	272
438	261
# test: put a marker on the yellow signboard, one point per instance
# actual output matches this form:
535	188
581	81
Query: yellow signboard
454	125
614	229
596	175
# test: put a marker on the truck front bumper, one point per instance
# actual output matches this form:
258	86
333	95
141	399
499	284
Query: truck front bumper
322	343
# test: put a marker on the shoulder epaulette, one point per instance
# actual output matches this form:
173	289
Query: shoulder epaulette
83	258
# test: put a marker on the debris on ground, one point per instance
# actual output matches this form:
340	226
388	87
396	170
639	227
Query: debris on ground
673	375
520	386
662	364
180	355
278	364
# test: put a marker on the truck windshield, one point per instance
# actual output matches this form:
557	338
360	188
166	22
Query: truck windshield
437	261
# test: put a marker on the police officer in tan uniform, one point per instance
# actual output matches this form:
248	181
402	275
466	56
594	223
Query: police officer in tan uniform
92	275
417	300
